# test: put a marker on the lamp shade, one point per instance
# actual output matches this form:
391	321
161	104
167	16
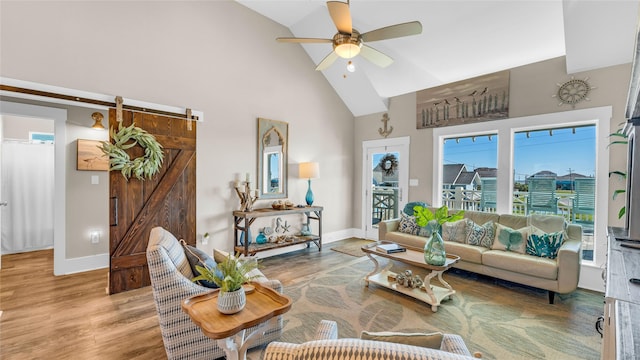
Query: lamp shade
309	170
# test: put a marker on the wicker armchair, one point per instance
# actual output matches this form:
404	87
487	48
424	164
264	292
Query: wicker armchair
171	282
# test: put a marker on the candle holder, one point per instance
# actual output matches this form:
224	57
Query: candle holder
246	199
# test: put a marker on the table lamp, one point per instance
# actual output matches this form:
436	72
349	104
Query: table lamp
309	170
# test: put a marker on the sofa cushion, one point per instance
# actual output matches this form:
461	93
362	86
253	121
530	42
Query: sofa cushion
480	235
480	217
509	239
197	257
548	223
468	253
514	221
540	243
432	340
521	263
455	231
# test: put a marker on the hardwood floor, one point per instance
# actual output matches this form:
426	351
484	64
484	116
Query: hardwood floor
72	317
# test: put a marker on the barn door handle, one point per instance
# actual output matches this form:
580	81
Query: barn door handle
115	215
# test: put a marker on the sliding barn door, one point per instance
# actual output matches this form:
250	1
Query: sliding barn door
167	200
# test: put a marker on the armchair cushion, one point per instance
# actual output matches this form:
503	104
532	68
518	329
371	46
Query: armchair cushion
433	340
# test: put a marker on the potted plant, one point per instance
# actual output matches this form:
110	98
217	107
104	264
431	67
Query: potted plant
434	253
229	275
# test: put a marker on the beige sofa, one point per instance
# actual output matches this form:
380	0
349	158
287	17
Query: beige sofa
559	275
326	345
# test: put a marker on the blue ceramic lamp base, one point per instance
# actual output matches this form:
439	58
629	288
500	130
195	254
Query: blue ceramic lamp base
309	197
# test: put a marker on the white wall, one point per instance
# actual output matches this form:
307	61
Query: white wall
217	57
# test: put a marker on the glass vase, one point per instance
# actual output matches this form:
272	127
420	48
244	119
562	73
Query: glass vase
248	237
261	239
434	253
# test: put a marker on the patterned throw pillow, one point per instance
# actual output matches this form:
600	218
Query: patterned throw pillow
455	231
544	244
480	235
509	239
408	224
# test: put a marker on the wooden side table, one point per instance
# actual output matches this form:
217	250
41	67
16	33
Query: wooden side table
263	306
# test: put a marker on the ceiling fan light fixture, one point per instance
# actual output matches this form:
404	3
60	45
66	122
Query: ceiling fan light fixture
347	51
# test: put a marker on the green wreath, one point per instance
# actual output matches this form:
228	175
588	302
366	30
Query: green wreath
141	167
388	164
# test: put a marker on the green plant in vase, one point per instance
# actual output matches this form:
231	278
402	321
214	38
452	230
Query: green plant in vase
229	275
434	253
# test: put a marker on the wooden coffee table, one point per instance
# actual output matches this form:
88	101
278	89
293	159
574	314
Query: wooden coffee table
263	306
430	294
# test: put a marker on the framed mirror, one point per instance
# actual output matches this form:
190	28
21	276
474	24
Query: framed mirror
272	158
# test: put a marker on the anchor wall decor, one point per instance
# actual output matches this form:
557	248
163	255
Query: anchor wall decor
387	131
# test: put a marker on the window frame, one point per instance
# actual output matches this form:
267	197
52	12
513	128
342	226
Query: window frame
506	129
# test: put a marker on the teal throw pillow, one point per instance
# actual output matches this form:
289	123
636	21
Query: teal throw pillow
544	244
480	235
408	209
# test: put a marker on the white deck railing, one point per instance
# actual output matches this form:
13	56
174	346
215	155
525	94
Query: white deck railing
470	200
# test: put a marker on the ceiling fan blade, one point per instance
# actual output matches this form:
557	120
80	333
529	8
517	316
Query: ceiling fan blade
393	31
327	61
302	40
375	56
341	16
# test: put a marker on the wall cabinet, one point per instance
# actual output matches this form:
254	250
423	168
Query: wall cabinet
242	221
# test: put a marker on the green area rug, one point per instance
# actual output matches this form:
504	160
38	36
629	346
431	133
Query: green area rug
500	319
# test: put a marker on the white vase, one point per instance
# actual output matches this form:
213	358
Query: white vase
232	302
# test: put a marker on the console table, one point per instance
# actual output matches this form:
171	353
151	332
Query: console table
621	335
242	220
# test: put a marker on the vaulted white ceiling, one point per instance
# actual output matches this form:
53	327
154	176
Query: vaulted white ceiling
460	40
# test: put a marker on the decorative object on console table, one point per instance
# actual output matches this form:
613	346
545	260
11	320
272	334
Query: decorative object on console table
246	199
261	238
434	253
309	170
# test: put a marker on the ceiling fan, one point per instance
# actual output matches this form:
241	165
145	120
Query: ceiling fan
348	42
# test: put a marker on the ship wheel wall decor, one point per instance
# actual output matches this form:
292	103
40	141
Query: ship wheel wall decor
573	91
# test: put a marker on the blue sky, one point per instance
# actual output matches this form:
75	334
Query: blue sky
561	152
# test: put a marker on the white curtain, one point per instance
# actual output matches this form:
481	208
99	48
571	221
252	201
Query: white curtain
27	187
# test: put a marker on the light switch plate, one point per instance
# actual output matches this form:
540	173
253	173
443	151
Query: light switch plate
95	237
413	182
95	180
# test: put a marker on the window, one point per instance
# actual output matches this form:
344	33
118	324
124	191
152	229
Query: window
469	172
570	147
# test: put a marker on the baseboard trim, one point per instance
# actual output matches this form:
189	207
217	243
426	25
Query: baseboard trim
85	263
